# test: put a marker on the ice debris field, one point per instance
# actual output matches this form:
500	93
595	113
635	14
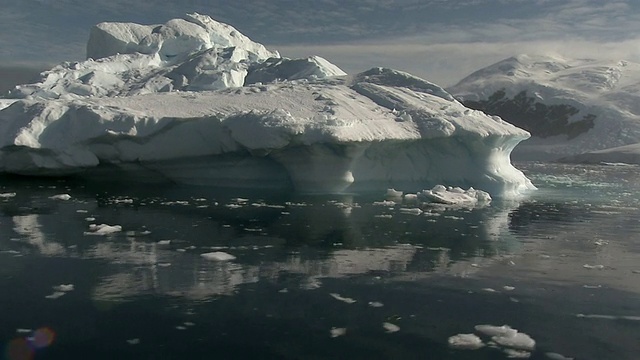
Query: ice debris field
194	101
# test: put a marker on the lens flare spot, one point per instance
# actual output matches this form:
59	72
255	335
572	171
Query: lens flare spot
43	337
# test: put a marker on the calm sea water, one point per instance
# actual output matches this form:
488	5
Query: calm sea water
333	277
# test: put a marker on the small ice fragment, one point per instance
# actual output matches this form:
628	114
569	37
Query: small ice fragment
393	193
55	295
335	332
516	354
64	288
135	341
544	256
508	288
635	271
489	290
390	328
81	211
492	330
520	341
63	197
465	341
218	256
103	229
593	267
164	264
592	286
514	300
180	327
375	304
189	323
411	211
24	331
410	198
343	299
90	219
7	195
556	356
164	242
283	291
601	242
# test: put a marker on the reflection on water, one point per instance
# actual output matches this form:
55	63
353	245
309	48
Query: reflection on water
577	236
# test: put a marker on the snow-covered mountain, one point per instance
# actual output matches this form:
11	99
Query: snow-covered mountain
194	101
570	106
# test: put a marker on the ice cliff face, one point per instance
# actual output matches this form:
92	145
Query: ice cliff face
244	117
569	106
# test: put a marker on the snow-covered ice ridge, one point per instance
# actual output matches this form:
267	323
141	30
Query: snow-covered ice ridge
194	101
570	106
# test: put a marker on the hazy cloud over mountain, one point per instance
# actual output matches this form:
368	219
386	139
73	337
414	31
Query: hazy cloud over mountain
439	39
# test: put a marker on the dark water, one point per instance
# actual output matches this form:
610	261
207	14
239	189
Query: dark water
562	266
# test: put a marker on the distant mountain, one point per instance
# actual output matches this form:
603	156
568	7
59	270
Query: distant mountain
570	106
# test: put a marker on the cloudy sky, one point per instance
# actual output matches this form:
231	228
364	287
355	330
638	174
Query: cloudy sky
440	40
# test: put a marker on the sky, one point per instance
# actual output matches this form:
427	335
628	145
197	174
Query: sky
439	40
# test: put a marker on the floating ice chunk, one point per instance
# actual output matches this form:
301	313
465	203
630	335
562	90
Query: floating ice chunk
64	287
410	198
520	341
440	194
335	332
411	211
508	288
517	354
343	299
7	195
556	356
390	328
465	341
164	242
63	197
180	327
375	304
492	330
593	267
393	193
90	219
489	290
55	295
24	331
103	229
135	341
608	317
189	324
218	256
592	286
385	203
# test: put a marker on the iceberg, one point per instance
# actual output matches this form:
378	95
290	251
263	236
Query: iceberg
194	101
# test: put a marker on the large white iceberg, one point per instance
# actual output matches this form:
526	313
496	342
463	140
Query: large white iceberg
245	117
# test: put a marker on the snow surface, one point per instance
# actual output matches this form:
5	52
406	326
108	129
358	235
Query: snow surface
194	101
609	90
